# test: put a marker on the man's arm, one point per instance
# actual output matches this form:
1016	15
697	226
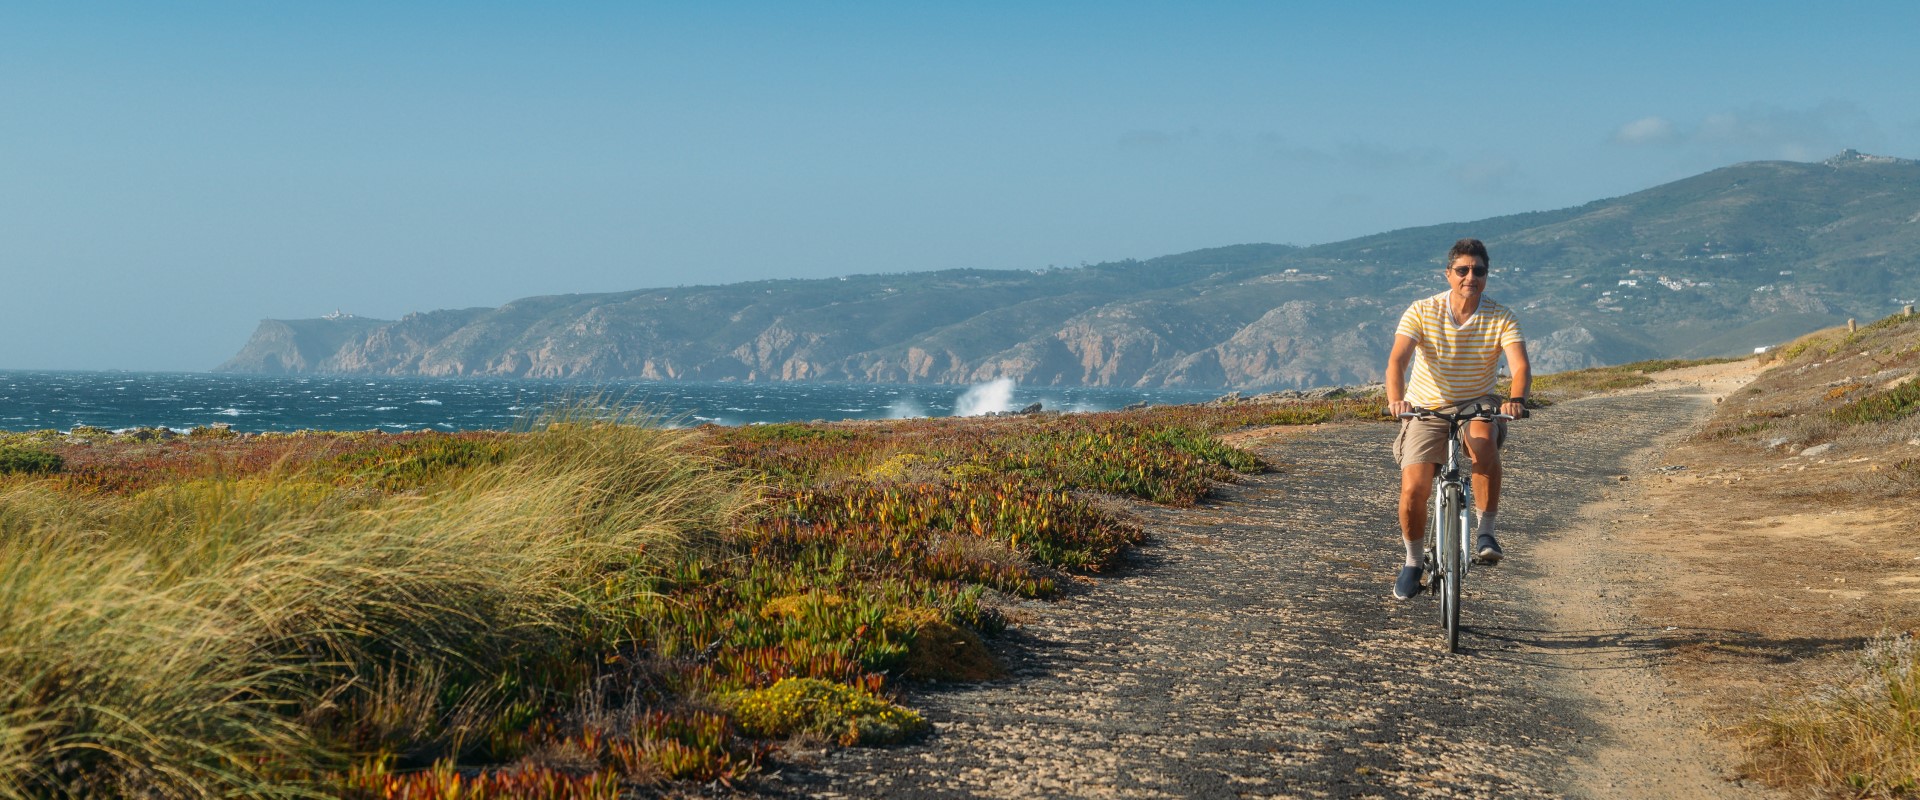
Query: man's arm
1522	377
1397	362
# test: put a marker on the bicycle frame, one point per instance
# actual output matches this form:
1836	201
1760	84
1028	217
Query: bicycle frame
1457	473
1458	476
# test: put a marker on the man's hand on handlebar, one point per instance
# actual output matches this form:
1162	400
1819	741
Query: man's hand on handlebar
1506	410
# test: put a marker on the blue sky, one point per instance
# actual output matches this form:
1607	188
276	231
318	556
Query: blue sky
172	173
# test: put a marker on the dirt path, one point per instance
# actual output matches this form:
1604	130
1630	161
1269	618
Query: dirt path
1251	649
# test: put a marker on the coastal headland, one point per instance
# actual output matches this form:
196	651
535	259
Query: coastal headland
1713	265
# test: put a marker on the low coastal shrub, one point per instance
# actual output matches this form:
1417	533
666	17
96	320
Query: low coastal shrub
1887	406
29	461
836	711
445	781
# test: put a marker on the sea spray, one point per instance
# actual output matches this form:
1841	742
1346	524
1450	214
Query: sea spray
905	408
994	396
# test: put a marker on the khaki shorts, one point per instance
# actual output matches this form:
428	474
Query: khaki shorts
1424	441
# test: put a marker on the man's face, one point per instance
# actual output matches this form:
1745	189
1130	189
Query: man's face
1471	283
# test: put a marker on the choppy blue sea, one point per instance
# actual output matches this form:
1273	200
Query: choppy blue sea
257	403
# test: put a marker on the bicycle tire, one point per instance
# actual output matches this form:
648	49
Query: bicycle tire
1453	568
1435	567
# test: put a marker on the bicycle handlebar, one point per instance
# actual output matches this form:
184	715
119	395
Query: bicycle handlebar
1428	413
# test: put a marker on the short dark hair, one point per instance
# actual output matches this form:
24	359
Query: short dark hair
1468	247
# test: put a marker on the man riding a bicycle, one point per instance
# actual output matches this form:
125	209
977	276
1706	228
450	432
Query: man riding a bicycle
1453	341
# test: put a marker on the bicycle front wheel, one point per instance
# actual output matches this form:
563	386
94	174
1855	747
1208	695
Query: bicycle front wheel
1453	568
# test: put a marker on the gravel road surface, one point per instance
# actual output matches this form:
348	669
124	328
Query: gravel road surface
1251	649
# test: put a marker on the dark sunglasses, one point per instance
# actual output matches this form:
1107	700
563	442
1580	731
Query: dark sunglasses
1478	272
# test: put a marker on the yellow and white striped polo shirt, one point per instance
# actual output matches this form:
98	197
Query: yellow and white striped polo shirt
1455	363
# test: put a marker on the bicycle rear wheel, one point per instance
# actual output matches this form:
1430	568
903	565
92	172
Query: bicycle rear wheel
1453	570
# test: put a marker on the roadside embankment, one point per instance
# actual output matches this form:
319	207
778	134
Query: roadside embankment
1778	561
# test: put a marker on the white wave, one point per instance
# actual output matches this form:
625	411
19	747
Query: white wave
426	402
387	408
994	396
905	409
228	412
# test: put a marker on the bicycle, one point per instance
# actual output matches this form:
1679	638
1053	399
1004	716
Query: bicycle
1450	524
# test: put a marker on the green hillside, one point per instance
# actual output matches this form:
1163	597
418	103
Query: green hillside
1715	264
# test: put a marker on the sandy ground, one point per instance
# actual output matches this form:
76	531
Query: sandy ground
1619	573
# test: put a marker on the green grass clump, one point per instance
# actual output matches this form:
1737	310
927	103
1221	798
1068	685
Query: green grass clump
418	459
1887	406
839	712
29	461
1856	738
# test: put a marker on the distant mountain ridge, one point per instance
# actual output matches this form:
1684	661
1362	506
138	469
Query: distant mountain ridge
1719	263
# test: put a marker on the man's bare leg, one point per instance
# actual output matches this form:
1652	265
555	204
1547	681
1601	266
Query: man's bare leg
1416	490
1485	450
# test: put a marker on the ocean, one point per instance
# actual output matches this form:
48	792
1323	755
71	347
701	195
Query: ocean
260	403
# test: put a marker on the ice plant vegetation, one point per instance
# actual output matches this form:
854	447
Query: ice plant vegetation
577	609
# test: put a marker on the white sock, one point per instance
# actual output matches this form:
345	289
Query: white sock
1485	527
1413	551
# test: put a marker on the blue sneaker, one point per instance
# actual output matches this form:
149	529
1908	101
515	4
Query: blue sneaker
1486	550
1408	583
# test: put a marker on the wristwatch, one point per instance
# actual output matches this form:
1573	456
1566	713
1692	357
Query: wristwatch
1520	400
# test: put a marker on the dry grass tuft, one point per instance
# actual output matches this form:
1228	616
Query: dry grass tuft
1855	738
225	635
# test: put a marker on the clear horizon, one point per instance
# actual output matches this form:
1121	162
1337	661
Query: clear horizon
176	174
